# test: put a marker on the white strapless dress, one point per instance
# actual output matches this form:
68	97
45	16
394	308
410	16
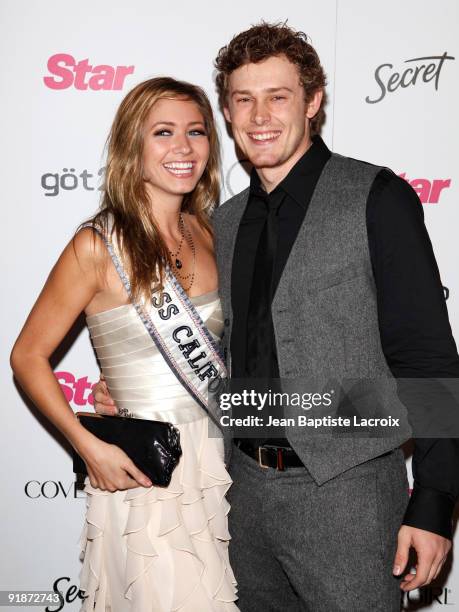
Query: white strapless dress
158	549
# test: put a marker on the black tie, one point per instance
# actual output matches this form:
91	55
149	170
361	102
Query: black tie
261	358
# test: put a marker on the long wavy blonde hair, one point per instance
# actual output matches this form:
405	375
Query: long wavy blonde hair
124	196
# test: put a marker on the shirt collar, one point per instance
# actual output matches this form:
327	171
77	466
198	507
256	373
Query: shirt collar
310	165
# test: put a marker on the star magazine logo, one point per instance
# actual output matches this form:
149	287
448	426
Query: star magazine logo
428	190
76	390
65	72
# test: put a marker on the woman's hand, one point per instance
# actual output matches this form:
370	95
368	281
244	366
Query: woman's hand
110	468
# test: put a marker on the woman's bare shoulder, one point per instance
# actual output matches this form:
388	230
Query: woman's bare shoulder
88	246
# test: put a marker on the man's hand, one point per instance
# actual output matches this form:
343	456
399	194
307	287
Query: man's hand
103	403
431	550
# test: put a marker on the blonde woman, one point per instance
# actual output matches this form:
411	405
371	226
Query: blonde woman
143	271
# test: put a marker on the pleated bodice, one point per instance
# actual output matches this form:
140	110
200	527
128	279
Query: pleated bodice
138	378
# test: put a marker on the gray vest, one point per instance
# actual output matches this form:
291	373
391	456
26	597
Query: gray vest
324	310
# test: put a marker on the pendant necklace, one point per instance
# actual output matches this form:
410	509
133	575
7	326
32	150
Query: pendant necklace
177	262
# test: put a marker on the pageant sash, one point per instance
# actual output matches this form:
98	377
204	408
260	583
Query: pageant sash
178	332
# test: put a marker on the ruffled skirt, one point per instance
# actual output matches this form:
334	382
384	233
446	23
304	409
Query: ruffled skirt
162	549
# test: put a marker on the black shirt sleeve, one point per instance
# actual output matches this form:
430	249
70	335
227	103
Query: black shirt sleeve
415	334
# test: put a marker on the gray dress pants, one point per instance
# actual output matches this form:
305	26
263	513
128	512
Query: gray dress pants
298	546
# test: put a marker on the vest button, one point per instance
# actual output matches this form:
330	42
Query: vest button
227	322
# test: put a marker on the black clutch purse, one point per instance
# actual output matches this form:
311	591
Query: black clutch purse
154	446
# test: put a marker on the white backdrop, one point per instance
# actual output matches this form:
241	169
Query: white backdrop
54	124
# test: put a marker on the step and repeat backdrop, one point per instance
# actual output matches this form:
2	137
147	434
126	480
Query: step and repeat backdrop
393	95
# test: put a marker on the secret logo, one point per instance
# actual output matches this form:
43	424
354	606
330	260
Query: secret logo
72	593
420	70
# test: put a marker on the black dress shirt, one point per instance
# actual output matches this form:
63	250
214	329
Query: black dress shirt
410	301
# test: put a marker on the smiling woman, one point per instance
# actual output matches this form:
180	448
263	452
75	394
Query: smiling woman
160	123
142	268
179	146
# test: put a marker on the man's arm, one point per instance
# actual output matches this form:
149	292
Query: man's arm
417	342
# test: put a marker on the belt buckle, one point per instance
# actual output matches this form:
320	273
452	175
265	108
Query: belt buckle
260	461
279	457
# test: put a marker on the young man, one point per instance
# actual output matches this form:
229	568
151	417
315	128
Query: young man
323	264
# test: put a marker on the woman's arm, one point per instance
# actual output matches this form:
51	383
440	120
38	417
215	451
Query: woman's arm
73	283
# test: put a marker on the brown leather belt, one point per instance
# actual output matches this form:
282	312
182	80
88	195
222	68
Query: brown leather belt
268	456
